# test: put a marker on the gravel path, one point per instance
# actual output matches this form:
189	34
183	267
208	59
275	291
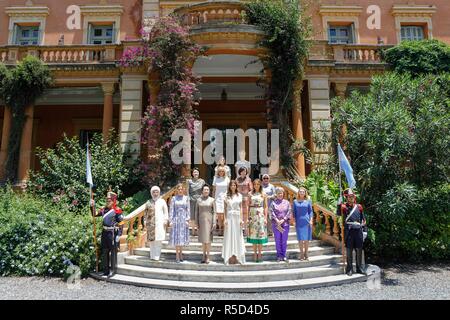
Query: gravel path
398	282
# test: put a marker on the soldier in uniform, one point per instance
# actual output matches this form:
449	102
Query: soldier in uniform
354	221
111	232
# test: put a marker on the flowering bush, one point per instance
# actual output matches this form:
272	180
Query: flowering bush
62	176
42	238
168	53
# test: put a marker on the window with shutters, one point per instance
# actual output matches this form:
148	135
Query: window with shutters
26	35
412	33
341	34
101	34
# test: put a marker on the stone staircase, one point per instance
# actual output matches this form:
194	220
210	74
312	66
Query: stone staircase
324	268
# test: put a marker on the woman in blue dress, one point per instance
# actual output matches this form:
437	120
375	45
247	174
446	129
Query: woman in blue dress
303	222
179	217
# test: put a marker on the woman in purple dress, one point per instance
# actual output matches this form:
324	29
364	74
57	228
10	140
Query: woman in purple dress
303	214
179	217
280	212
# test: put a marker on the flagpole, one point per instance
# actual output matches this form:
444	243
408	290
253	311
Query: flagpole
342	226
93	215
95	230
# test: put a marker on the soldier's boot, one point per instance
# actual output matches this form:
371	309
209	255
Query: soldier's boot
105	258
349	268
359	261
113	262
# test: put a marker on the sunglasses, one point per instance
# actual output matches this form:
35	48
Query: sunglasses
265	178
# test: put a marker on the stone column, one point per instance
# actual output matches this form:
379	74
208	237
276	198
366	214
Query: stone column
298	125
131	112
26	145
5	139
108	91
341	88
319	99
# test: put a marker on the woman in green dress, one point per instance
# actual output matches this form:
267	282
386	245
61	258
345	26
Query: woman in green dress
257	220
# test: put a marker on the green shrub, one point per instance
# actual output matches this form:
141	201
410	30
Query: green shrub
19	87
321	189
40	238
62	177
415	223
134	202
419	57
397	140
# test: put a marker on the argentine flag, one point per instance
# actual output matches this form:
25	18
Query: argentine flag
88	167
345	166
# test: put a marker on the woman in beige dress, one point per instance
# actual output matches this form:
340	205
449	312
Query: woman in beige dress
205	217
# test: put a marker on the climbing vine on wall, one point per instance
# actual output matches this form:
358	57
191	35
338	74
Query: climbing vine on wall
169	53
287	29
19	88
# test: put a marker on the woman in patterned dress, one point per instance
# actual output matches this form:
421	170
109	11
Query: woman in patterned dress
233	249
245	186
179	217
156	217
257	220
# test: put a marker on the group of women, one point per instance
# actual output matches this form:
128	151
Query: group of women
240	208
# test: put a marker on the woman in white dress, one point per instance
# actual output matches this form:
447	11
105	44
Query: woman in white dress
220	185
156	218
233	239
222	163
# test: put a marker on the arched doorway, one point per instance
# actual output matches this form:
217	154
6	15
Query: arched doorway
230	99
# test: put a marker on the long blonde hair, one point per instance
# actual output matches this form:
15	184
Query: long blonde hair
307	197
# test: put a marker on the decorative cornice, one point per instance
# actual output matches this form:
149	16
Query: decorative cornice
413	10
99	10
27	11
335	10
241	38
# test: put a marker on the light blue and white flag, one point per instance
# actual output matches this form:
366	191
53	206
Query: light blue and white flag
345	166
88	167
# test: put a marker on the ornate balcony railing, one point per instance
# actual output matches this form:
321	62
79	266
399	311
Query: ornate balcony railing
212	12
358	53
70	54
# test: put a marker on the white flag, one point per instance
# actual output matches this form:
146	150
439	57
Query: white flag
88	167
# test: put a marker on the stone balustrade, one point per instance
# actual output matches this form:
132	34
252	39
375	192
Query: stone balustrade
62	54
357	53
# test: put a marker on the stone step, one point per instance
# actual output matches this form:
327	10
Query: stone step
219	239
197	246
167	254
314	261
228	276
234	287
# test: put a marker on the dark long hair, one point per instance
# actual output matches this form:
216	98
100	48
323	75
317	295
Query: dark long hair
229	194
